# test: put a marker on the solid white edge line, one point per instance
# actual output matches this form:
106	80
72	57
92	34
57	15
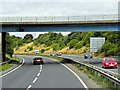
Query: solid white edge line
13	69
35	80
84	85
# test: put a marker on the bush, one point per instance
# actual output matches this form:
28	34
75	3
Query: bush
42	50
30	48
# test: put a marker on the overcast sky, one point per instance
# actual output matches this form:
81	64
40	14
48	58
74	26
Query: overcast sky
57	7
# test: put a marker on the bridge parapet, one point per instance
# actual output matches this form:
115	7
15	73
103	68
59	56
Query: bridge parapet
85	18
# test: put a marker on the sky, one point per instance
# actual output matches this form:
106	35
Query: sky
35	34
57	7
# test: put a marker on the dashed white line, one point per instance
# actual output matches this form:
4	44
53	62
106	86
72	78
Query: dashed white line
35	80
29	87
40	67
38	74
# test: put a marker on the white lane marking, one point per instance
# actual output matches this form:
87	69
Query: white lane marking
40	70
85	86
29	87
13	69
35	80
38	74
40	67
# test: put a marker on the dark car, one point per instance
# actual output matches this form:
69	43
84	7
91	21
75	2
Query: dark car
88	55
38	60
109	62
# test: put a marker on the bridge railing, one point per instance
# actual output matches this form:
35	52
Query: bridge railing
60	18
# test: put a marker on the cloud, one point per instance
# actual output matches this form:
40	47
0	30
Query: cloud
57	8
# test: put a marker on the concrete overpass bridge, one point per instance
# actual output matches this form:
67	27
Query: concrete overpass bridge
23	23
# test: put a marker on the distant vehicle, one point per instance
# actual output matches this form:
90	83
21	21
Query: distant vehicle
58	53
38	60
55	54
88	55
52	54
36	51
109	62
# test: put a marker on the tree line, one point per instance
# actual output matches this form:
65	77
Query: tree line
74	40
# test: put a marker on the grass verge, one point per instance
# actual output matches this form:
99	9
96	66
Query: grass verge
5	67
97	78
13	58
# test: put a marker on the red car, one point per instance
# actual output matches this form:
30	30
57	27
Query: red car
38	60
109	62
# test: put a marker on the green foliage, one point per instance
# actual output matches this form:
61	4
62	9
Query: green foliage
72	43
76	40
55	46
30	48
79	45
47	49
42	50
27	38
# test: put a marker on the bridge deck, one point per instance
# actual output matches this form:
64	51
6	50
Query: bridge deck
62	22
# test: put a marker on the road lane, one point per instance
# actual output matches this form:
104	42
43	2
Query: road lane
54	75
94	61
51	75
22	77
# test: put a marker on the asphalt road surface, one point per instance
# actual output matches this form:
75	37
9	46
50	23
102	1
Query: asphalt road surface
50	75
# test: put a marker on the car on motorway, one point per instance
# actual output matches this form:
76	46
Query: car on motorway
109	62
38	60
88	55
55	54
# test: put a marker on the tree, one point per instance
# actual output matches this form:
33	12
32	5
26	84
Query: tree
79	45
72	43
9	44
55	46
28	38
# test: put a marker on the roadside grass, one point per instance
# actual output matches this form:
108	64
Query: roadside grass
97	78
13	58
5	67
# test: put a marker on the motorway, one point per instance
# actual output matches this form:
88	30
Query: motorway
94	61
50	75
